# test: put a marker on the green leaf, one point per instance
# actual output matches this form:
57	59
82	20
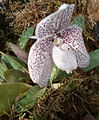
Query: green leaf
13	62
15	77
57	74
72	86
3	68
8	93
25	37
25	79
1	80
29	99
94	60
79	20
6	62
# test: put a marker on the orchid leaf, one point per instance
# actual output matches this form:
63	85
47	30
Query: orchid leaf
25	79
94	60
13	62
25	37
1	80
57	74
6	62
15	77
3	68
8	93
79	21
28	100
20	53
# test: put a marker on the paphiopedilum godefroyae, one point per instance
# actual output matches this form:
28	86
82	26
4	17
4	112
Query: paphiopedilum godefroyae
57	43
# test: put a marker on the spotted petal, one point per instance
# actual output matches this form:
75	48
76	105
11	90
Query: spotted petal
40	61
56	22
73	37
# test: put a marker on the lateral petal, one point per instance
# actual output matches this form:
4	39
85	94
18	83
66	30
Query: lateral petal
40	61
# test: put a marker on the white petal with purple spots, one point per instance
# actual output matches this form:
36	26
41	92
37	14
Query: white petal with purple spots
56	22
40	61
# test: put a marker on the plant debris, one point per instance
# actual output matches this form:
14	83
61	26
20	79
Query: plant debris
69	104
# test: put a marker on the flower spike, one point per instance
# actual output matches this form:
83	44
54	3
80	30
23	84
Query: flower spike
40	61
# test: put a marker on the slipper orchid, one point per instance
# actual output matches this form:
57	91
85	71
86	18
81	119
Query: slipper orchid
57	43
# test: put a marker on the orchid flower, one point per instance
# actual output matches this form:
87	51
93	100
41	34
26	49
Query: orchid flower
57	43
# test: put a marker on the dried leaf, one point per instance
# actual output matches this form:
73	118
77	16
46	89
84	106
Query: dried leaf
20	53
88	117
